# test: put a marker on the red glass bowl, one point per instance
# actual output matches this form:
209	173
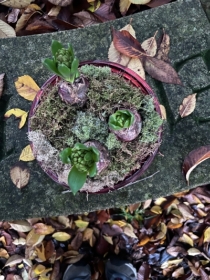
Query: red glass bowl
135	80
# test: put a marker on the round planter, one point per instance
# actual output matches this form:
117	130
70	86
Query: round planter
135	80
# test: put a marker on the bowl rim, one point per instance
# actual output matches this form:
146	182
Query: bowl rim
137	81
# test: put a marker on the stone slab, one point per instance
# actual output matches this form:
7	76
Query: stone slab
189	30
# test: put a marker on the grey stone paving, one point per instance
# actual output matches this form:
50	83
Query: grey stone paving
189	30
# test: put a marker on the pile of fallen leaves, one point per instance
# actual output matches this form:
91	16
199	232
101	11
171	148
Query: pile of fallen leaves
27	17
166	238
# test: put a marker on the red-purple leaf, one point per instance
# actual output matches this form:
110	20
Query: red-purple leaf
126	44
164	47
161	70
156	3
194	158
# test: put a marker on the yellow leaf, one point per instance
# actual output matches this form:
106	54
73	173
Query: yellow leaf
193	252
94	6
81	224
18	113
108	239
156	209
41	252
150	45
26	87
6	30
119	223
186	239
207	235
61	236
139	2
16	3
27	154
124	6
170	263
39	269
144	241
3	253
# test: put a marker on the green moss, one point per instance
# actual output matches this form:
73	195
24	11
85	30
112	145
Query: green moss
99	73
112	142
87	126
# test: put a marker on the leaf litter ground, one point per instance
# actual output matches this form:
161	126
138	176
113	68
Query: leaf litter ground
166	238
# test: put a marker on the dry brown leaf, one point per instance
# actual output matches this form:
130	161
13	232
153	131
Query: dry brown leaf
6	30
134	64
164	48
85	18
188	105
185	211
41	252
118	223
143	272
171	263
160	70
176	250
156	209
22	225
156	3
128	231
26	87
43	229
124	6
144	241
194	158
16	3
13	15
203	274
33	239
134	207
150	45
1	83
61	236
87	234
174	226
140	2
27	154
20	175
64	221
28	13
207	235
163	112
108	239
178	272
62	3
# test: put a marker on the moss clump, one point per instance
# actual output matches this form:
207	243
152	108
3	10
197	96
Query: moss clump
112	142
87	127
64	125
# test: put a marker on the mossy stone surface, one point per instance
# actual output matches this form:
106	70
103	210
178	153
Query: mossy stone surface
189	30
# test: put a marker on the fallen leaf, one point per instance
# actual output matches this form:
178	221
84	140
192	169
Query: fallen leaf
139	2
18	113
16	3
150	45
164	48
56	271
4	253
86	18
13	260
77	241
124	6
188	105
178	272
81	224
19	241
39	269
6	30
134	64
61	236
194	158
104	12
54	11
62	3
118	223
41	252
170	263
43	229
108	239
128	231
33	239
161	70
163	112
13	15
186	239
126	44
185	211
156	209
20	175
207	235
193	252
24	18
50	250
157	3
1	83
21	225
134	207
87	234
26	87
64	221
203	274
176	250
27	154
143	272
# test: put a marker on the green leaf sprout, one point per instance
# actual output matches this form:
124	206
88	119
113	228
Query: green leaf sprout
64	63
121	119
83	160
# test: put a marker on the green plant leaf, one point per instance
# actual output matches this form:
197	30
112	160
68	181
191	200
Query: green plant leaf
65	155
71	50
96	154
80	146
55	46
93	170
51	65
64	71
74	65
76	179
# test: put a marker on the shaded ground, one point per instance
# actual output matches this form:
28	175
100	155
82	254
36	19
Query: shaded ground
166	238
